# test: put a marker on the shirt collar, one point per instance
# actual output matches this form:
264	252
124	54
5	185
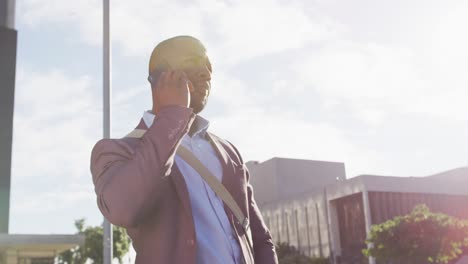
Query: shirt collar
200	125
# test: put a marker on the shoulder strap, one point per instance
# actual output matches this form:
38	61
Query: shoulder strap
215	185
136	133
206	174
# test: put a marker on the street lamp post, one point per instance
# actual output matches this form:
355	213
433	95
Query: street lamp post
106	81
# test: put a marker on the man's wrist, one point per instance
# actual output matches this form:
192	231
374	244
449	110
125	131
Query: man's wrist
173	107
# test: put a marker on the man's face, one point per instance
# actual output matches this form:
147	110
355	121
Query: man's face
190	56
198	70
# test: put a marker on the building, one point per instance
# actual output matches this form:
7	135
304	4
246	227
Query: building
311	204
8	40
290	194
35	249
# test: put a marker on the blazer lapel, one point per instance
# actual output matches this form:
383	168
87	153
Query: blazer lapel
230	181
177	179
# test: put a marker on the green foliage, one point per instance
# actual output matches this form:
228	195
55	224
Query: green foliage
288	254
420	237
92	248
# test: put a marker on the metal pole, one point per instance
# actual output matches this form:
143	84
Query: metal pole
107	241
367	218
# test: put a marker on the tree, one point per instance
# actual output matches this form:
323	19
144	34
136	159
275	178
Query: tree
420	237
288	254
92	248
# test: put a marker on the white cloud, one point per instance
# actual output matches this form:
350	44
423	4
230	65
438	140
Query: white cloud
376	79
261	136
256	28
55	119
59	200
55	126
373	78
261	133
330	66
84	16
232	31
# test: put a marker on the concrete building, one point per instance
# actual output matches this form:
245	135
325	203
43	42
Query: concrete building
35	249
8	39
290	193
312	206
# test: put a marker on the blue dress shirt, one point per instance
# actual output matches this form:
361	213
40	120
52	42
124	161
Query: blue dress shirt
216	240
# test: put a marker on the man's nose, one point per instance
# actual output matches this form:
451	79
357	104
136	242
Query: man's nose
204	73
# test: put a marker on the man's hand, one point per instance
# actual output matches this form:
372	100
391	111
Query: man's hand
172	88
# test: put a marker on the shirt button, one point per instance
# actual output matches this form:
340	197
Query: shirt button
190	242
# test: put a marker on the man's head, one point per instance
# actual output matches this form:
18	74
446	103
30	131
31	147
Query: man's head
188	54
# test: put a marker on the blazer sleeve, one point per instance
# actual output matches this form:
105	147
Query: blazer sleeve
263	245
129	181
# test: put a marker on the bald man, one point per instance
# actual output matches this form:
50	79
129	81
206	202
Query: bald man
171	213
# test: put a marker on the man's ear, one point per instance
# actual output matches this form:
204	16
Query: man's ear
153	77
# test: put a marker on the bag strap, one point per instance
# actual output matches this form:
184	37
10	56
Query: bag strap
136	133
215	185
209	178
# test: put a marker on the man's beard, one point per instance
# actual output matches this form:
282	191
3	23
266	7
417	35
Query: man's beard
197	103
199	95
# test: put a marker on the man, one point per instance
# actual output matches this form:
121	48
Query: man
171	213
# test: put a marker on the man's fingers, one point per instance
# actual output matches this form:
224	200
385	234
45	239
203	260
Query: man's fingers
160	80
173	79
190	85
155	77
180	80
165	79
172	89
187	83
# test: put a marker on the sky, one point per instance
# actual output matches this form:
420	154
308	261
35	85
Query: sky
378	85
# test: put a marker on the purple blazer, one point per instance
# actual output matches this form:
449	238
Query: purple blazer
139	187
